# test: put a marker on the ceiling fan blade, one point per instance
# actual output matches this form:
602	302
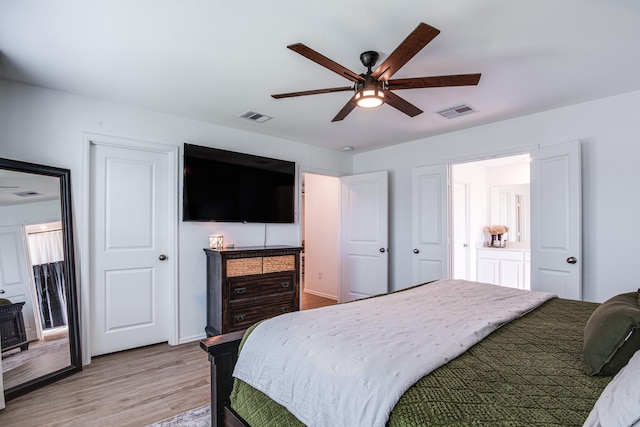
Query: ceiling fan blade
435	81
418	39
349	106
313	92
401	104
320	59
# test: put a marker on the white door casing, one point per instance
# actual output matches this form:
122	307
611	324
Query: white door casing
460	230
430	223
15	277
132	226
364	235
556	220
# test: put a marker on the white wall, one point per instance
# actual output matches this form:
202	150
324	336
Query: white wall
30	213
508	175
322	235
48	127
609	131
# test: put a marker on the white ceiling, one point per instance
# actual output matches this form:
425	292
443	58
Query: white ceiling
214	60
17	188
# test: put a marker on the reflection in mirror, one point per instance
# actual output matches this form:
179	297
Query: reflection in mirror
38	308
509	205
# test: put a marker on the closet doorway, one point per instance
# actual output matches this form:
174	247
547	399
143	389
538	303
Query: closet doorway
320	235
491	192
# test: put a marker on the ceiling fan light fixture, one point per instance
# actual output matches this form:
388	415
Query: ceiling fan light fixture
369	97
370	88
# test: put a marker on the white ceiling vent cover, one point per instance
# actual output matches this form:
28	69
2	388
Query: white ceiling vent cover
255	117
457	111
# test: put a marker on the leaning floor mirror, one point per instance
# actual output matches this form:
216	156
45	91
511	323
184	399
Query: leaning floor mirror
38	299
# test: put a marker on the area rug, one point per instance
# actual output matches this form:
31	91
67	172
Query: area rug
198	417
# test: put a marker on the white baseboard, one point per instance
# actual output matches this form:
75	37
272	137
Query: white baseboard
185	340
320	294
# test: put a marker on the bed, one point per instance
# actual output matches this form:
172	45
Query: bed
527	370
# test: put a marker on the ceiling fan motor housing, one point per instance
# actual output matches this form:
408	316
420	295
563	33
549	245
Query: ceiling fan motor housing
369	58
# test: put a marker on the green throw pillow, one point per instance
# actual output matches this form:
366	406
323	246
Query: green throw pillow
612	334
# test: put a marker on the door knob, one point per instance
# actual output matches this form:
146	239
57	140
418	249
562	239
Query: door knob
416	251
162	257
572	260
382	250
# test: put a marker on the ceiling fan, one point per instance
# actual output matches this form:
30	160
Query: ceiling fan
374	88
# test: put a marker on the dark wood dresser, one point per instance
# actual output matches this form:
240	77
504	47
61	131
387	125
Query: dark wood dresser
12	327
249	284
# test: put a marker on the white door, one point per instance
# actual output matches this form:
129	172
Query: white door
460	212
430	223
556	226
364	235
131	242
14	276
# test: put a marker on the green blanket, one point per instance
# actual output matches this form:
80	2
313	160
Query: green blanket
529	372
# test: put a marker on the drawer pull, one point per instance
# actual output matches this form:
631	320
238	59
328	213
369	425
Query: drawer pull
285	309
240	291
284	284
238	318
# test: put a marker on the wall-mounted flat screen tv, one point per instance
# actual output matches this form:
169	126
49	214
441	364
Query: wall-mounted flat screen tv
226	186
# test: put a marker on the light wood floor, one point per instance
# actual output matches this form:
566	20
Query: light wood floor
38	366
313	301
130	388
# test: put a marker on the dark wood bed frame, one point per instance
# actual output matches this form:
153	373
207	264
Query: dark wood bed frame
223	354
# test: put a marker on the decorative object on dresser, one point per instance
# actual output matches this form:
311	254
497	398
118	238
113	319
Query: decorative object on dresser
249	284
216	241
12	326
497	235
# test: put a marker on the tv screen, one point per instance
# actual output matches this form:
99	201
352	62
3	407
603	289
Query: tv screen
226	186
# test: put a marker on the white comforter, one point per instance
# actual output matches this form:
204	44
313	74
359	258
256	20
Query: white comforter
348	364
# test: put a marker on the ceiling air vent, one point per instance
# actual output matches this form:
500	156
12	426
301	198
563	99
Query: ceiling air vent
27	193
255	117
457	111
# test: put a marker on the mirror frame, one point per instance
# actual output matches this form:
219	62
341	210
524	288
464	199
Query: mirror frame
73	325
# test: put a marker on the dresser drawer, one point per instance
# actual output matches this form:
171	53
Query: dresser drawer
241	315
244	266
260	265
243	288
272	264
